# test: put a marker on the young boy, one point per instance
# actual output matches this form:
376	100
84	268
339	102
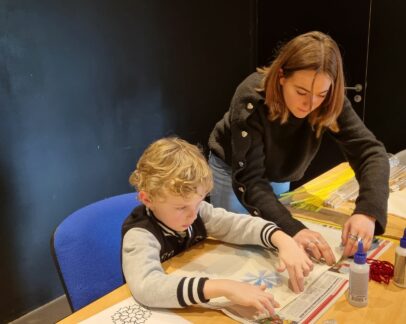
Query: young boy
172	179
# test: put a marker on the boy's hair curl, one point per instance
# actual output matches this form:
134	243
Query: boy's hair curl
174	166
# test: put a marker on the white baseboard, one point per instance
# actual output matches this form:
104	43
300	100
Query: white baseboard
49	313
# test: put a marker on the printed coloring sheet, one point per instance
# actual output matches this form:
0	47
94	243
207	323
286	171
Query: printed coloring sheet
129	311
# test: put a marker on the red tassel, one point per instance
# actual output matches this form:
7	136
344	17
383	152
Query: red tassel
380	271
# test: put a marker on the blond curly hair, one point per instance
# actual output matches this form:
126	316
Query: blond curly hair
174	166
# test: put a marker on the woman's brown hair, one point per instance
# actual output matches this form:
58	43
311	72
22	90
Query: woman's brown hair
311	51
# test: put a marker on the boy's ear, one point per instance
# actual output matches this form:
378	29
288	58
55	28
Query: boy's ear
144	198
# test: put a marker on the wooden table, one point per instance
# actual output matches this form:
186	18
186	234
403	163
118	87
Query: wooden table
387	303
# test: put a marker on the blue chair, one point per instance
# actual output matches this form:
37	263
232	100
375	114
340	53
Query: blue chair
86	248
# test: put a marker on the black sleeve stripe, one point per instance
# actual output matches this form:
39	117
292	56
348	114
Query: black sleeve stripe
190	291
267	232
200	290
179	293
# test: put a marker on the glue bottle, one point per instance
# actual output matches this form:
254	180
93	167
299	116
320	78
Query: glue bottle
359	277
399	278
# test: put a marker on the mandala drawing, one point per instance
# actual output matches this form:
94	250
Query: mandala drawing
134	314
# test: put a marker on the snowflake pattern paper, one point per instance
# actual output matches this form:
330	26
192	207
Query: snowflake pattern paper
263	277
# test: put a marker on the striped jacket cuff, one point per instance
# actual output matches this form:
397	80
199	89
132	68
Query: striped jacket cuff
190	291
266	234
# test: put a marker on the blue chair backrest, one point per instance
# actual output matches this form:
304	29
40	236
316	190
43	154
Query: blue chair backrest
86	248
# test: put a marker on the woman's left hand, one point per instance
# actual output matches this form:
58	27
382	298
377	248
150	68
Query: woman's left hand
293	258
357	226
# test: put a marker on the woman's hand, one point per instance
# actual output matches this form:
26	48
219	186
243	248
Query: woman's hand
358	226
315	244
293	258
241	293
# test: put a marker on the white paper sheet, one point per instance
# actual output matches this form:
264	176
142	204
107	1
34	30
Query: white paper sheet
129	311
397	203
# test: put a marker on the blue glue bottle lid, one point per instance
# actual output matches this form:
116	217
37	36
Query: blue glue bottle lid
360	257
403	240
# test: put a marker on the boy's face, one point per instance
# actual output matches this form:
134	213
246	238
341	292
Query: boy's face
176	212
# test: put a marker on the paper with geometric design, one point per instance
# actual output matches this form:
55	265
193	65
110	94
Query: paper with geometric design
129	311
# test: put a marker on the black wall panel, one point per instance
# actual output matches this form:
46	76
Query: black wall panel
386	108
84	87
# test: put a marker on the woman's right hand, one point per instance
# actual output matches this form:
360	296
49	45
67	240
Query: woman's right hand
315	244
241	293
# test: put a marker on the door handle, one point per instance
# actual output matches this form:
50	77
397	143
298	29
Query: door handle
357	87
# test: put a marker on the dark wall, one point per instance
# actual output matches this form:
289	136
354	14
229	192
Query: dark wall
84	87
386	108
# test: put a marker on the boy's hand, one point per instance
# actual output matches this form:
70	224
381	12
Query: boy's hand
293	258
241	293
315	244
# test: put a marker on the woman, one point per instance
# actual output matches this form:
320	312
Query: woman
273	130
